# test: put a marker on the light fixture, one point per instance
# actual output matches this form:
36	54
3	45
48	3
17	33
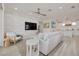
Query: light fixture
63	24
60	7
73	23
15	8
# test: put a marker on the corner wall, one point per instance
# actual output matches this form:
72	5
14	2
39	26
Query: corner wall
1	27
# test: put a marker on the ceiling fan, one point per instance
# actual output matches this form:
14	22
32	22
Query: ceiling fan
38	12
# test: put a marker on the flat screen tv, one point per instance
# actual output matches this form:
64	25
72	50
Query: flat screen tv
30	26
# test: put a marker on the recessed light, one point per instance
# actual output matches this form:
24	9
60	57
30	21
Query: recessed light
49	9
60	7
15	8
73	23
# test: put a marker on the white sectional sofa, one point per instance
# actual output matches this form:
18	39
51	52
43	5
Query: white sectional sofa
48	41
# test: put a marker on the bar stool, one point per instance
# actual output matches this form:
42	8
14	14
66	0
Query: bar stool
32	47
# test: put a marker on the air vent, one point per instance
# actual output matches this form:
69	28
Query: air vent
49	9
72	6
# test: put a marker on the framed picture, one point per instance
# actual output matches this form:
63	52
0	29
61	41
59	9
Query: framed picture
46	24
53	24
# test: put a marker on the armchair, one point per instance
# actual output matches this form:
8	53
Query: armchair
13	37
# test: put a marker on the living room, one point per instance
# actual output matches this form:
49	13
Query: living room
43	22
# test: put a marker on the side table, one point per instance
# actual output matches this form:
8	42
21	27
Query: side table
6	42
32	47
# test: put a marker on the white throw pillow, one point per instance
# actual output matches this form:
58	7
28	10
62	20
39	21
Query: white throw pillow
10	34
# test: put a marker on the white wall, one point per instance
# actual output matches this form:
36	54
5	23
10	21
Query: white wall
14	23
1	30
76	29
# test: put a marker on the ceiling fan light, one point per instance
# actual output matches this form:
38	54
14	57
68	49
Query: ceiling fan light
38	12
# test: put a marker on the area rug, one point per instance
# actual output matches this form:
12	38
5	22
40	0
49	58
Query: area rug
9	51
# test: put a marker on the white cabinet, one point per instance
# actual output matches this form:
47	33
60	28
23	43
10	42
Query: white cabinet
68	33
75	33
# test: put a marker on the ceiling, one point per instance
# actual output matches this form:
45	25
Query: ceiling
56	10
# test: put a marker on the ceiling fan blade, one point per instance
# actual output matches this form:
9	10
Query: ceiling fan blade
35	12
43	14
